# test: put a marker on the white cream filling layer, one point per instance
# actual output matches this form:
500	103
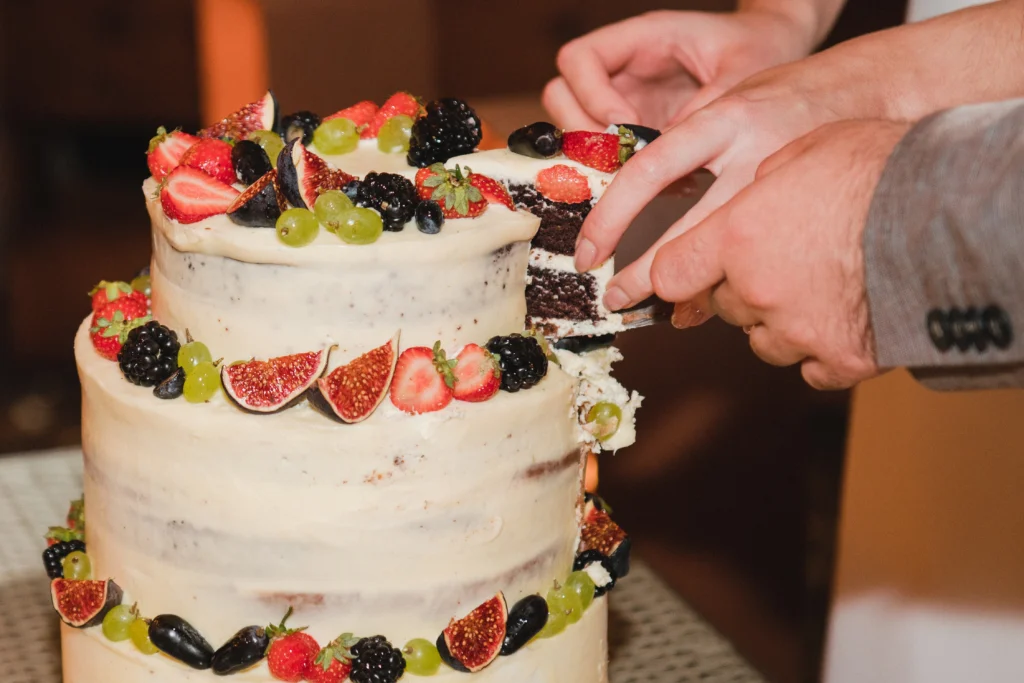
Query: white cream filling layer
593	370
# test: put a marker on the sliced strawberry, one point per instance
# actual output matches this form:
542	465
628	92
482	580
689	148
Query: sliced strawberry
165	150
602	151
561	183
360	113
212	157
453	190
401	103
477	374
189	195
423	380
492	190
113	321
258	115
104	292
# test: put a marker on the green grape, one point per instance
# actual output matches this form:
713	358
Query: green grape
117	623
393	137
360	226
567	602
337	136
297	227
270	141
77	566
201	383
192	354
421	657
557	620
329	208
606	417
141	284
581	584
139	632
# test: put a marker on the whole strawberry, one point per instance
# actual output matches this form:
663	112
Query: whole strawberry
212	157
401	103
114	320
105	292
165	150
291	652
334	662
602	151
452	189
360	113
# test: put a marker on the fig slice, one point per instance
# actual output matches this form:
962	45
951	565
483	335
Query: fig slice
471	643
260	205
351	392
259	115
304	175
600	533
84	603
267	386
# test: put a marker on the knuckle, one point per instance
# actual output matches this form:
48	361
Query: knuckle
568	54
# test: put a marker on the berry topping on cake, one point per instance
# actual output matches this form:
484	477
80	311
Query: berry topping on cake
429	217
493	191
477	374
304	176
393	137
245	648
525	620
291	652
189	195
104	292
212	157
165	150
81	604
391	195
250	161
180	640
580	583
267	386
352	392
172	387
374	660
113	321
598	567
117	622
261	204
540	140
334	662
449	128
423	381
149	355
337	136
471	643
561	183
360	113
452	189
299	125
399	104
271	143
602	151
77	566
297	227
522	361
53	556
603	420
421	657
258	115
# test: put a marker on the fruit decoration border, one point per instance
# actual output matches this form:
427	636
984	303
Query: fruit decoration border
468	644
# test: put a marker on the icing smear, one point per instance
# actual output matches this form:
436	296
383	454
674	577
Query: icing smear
593	371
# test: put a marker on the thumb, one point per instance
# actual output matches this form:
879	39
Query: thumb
690	264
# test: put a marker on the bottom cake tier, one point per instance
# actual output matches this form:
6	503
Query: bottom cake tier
579	654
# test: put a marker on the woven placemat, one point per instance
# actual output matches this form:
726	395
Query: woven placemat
655	637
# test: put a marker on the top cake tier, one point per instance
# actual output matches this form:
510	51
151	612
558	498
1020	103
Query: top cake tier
246	294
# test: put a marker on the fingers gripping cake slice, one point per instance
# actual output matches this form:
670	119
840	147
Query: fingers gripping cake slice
319	442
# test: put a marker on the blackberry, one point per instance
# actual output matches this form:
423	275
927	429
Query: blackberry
522	361
449	128
351	190
375	661
149	355
53	555
393	196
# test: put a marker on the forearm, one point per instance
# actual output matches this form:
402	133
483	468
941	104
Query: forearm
814	18
908	72
944	250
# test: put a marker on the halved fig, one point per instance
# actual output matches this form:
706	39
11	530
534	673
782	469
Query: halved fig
250	161
304	175
525	620
260	205
267	386
600	533
258	115
84	603
471	643
352	392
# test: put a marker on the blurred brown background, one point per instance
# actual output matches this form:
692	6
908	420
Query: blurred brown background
732	489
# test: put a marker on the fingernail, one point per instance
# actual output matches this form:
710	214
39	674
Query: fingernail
615	298
586	252
686	315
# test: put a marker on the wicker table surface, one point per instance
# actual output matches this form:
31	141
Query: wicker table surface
655	637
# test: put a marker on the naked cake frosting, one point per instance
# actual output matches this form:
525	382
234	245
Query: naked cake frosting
327	433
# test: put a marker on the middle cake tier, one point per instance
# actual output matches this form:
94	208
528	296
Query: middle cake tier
245	295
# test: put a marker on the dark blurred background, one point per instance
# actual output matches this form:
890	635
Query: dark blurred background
731	491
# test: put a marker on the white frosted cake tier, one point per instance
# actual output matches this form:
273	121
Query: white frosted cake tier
244	294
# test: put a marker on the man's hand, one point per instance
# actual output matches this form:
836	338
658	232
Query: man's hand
784	258
656	68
